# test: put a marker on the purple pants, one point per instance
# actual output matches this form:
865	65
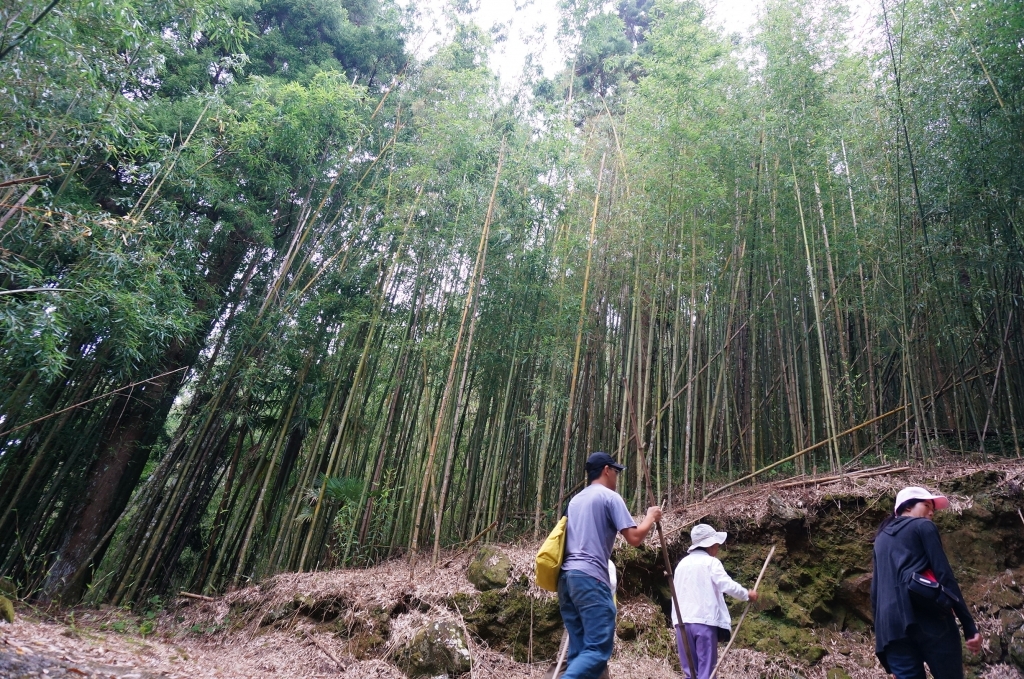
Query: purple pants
703	645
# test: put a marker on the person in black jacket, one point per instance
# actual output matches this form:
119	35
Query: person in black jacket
910	629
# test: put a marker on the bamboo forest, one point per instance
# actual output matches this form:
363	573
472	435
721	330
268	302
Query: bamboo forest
282	292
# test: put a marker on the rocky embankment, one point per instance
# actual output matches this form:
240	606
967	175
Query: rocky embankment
477	612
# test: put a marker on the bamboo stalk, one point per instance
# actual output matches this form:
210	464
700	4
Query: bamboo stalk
446	394
664	547
579	340
822	350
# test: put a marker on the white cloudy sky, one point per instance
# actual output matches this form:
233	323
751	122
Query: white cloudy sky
533	24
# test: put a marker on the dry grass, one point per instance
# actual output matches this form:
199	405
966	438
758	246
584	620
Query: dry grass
751	503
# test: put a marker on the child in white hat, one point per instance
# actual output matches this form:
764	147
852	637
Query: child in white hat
701	583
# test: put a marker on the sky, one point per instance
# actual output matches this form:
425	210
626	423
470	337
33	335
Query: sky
531	26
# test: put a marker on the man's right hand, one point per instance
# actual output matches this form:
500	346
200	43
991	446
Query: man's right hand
751	595
634	536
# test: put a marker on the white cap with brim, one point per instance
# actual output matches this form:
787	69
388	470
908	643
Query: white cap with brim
919	493
703	535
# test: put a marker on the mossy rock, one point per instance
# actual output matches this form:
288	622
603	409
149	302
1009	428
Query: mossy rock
502	618
489	569
626	629
639	617
813	654
641	572
641	620
783	511
1016	648
999	596
775	637
8	588
972	484
6	609
439	649
367	630
1011	621
855	593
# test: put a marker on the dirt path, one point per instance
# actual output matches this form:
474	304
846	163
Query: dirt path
34	647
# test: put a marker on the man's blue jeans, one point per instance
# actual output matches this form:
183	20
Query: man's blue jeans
588	611
934	640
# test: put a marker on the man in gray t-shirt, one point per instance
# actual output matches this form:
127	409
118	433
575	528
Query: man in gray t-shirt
585	596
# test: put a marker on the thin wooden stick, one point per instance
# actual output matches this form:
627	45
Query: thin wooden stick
20	290
326	652
25	180
1020	515
562	650
198	597
864	474
95	398
746	608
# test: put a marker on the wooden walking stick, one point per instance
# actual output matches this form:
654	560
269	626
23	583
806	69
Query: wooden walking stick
661	537
746	608
553	671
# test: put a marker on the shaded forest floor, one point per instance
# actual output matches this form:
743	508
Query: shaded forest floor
811	621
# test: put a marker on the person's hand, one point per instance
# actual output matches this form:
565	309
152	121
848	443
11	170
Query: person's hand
752	595
654	514
974	643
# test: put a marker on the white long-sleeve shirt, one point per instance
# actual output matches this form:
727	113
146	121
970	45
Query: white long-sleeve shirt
701	583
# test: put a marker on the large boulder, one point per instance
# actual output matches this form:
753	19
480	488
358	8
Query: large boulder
437	650
489	569
6	609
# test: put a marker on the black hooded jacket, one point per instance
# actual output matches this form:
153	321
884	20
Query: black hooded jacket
908	545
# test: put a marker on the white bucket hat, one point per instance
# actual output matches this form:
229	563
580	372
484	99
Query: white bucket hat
703	535
919	493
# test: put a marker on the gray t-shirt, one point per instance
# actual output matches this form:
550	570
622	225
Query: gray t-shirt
596	514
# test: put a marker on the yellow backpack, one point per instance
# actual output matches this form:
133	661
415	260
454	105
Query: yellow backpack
549	558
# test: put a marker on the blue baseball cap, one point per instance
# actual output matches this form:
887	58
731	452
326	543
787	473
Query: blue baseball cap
601	460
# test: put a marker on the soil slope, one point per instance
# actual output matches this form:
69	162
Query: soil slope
813	620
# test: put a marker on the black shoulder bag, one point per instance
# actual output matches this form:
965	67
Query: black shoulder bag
929	592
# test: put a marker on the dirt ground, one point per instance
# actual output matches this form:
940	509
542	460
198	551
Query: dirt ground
36	647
